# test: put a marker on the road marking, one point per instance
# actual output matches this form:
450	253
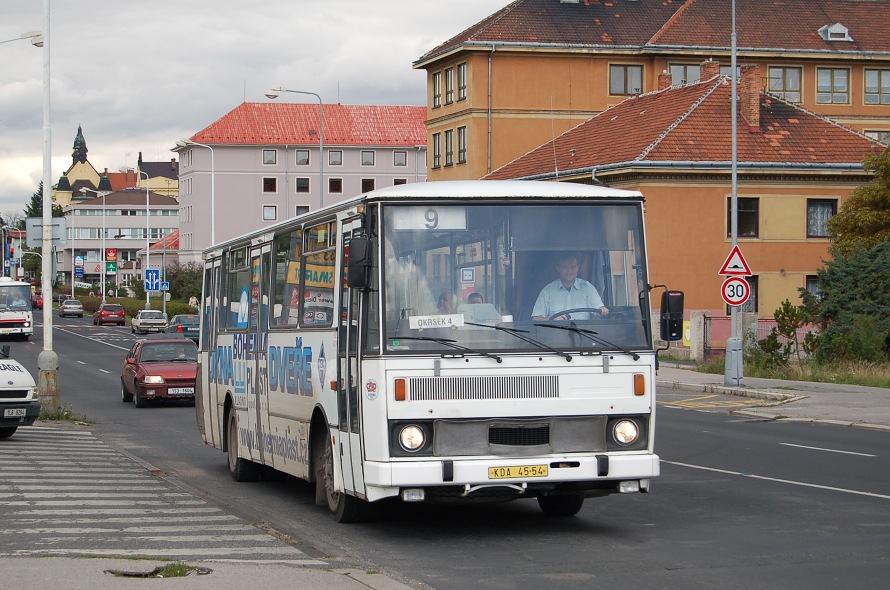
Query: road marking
80	362
775	479
827	450
104	371
706	401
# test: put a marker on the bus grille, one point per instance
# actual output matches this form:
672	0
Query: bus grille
482	388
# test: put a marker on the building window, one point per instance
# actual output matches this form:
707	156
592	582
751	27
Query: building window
335	185
398	181
812	284
832	86
625	80
335	158
449	147
748	218
785	82
449	85
437	150
400	158
302	157
270	212
819	211
685	74
877	86
368	185
461	145
270	185
302	185
270	157
882	136
462	81
437	90
367	157
301	210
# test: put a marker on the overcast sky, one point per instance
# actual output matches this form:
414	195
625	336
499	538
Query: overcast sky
138	75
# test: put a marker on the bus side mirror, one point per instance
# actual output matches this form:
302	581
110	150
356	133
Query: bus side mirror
672	316
358	273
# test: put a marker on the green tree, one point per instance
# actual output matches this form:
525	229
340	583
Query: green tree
35	207
853	306
864	219
185	280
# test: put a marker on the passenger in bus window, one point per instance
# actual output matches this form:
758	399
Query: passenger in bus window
446	303
475	298
569	291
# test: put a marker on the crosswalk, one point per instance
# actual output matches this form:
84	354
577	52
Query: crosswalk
65	493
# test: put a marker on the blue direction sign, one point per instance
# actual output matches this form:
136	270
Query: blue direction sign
165	285
152	279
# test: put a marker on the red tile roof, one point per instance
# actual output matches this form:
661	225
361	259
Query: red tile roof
168	242
290	123
691	124
656	25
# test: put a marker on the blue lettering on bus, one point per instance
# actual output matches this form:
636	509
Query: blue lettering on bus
290	369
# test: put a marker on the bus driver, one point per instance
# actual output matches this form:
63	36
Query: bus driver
567	292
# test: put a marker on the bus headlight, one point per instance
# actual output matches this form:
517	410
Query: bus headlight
411	437
625	432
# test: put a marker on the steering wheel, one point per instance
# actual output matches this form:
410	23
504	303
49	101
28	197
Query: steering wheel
593	310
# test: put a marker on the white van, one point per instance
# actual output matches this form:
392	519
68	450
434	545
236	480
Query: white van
19	401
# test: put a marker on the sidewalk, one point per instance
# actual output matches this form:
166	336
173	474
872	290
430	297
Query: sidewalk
800	401
90	574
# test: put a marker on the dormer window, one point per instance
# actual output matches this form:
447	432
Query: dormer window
835	32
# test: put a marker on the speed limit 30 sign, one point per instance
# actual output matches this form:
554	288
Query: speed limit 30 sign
735	291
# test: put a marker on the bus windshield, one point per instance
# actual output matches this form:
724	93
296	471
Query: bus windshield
15	297
514	277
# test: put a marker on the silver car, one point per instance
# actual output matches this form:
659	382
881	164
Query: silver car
148	320
71	307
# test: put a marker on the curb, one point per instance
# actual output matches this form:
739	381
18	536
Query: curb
767	394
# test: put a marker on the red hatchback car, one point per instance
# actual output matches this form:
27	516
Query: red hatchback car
110	313
159	367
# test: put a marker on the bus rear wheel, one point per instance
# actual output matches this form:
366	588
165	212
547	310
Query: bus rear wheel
560	505
241	469
343	507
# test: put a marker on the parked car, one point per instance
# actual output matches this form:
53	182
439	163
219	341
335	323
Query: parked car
159	367
148	320
187	324
71	307
19	401
36	301
110	313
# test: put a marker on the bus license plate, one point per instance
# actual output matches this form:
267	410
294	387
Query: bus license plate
13	412
517	471
182	390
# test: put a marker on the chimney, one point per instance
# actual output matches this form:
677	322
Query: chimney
709	69
749	95
665	80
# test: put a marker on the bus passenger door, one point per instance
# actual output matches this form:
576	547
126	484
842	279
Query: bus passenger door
349	412
255	349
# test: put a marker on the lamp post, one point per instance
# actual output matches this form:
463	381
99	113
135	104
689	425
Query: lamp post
274	93
36	38
103	265
185	143
147	234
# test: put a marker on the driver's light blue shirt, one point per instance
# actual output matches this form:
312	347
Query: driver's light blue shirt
555	298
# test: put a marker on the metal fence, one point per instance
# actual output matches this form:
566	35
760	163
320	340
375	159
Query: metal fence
717	329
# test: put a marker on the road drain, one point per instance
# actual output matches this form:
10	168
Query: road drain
170	570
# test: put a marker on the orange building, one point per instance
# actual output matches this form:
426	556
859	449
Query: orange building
537	68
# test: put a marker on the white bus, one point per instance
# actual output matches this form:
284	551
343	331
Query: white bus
16	319
325	352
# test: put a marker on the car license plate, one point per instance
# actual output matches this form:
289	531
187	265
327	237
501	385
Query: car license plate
517	471
181	390
13	412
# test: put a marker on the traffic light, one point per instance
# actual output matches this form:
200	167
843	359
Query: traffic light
11	251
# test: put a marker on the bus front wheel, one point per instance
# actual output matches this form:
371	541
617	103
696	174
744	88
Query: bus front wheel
343	507
560	505
241	469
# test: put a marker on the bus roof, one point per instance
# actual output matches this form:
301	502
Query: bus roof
455	189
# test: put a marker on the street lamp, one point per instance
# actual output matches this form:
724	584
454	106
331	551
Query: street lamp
185	143
147	234
36	38
103	266
274	93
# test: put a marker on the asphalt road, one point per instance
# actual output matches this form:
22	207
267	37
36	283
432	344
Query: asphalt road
740	503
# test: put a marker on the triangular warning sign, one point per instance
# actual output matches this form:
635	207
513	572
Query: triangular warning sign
735	264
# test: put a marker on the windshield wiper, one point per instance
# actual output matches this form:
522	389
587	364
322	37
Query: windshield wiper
519	334
450	343
592	336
